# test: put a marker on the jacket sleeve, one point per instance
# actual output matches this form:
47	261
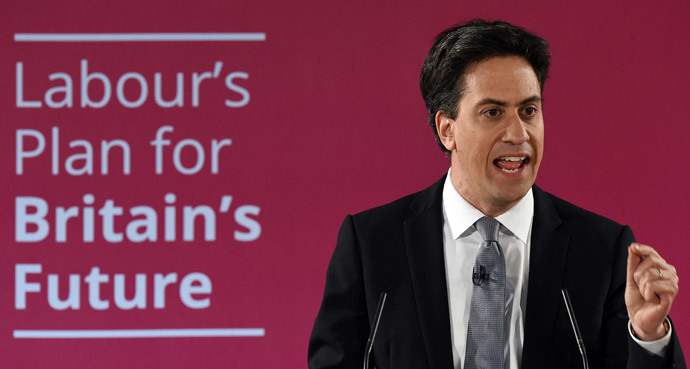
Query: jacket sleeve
641	358
341	328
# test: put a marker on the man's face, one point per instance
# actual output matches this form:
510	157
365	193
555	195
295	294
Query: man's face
497	140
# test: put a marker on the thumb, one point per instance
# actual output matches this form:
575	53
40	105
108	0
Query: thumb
633	263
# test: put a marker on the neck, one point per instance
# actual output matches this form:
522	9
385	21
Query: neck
489	208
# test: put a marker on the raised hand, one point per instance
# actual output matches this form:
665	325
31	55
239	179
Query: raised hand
651	286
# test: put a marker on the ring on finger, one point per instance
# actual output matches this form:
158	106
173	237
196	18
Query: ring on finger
661	274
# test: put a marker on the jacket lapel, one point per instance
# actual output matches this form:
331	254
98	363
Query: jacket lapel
424	245
548	252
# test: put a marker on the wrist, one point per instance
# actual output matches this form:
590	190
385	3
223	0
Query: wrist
660	332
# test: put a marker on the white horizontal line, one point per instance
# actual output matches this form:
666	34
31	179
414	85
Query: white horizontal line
139	333
119	37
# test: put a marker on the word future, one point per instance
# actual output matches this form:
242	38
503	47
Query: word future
193	291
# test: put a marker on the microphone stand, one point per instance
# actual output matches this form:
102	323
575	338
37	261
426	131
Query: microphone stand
374	328
576	329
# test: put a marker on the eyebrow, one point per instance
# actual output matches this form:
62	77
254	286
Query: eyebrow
490	101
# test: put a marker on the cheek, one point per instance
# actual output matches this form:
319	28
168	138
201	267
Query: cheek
537	143
537	127
475	154
536	135
474	146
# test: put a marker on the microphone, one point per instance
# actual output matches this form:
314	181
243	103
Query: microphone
479	275
576	329
374	328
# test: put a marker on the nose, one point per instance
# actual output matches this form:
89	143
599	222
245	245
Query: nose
516	132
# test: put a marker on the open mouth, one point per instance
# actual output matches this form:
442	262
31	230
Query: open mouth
511	164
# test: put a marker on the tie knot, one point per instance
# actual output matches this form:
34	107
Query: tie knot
488	228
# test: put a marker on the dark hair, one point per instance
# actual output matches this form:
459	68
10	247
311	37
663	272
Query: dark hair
456	48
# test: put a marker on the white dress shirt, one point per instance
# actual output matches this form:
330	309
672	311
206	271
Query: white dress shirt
461	242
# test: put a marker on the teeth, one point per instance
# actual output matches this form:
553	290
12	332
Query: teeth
513	158
510	170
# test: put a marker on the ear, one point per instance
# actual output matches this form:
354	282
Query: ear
446	129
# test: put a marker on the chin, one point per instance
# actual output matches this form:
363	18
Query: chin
513	194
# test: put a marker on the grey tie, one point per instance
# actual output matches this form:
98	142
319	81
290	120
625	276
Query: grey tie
485	330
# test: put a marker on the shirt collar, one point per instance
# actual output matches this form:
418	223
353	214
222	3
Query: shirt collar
461	215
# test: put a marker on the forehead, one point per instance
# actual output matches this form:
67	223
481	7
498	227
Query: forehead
507	78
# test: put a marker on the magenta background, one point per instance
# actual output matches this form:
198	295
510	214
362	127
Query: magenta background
335	125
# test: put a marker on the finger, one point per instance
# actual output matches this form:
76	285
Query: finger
655	274
660	292
672	270
667	299
642	281
643	250
645	269
653	262
633	263
647	252
653	285
668	273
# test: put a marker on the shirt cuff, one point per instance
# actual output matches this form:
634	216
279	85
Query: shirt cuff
656	347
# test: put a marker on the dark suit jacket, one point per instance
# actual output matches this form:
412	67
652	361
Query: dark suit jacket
398	248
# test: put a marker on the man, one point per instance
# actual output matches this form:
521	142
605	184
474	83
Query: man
474	265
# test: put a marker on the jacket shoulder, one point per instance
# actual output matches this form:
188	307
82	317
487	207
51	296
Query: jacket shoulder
576	217
397	211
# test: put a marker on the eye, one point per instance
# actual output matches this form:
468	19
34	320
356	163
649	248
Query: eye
529	111
492	113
